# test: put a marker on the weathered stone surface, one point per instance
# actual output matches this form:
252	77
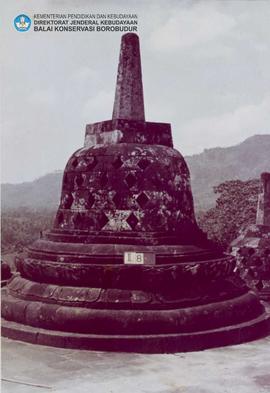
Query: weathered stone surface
263	211
5	273
128	103
128	131
128	190
145	277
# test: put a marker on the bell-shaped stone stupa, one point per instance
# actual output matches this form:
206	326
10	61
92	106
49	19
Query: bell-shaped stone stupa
125	267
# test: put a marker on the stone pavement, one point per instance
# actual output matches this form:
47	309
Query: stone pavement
237	369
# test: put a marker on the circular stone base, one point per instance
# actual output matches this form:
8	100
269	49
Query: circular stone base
156	343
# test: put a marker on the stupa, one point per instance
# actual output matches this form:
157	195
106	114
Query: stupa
126	267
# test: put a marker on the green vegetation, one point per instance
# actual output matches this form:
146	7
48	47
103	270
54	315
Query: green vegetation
20	227
236	207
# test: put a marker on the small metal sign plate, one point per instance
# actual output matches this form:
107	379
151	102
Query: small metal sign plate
139	258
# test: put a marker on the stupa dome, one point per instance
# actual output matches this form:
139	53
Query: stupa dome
125	188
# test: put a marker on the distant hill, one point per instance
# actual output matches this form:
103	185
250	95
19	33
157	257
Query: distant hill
244	161
43	192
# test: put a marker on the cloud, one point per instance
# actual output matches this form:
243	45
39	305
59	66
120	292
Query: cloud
187	27
229	128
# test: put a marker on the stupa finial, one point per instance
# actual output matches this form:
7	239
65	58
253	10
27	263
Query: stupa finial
128	102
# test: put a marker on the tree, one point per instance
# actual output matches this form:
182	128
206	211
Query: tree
236	207
20	227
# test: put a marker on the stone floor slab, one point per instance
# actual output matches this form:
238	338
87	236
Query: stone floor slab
28	368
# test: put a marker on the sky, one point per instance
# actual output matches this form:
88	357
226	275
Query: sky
205	70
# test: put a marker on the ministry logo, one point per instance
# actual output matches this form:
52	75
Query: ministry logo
22	22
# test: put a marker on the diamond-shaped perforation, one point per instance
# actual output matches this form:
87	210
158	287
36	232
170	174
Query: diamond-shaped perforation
144	163
90	201
259	285
74	162
67	201
132	221
142	199
77	220
91	162
79	180
130	180
116	199
104	179
117	163
103	219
